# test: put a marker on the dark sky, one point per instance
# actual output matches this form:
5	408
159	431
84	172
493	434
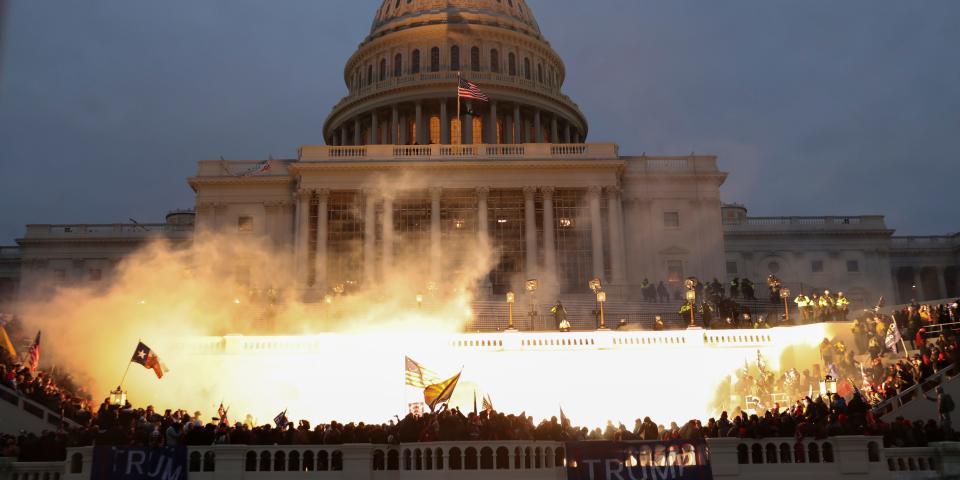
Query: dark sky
815	107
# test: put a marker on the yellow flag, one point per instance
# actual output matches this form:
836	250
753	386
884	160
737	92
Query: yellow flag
441	392
6	344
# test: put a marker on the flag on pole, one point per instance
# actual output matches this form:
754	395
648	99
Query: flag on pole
893	337
222	413
5	342
281	419
487	403
475	412
417	376
439	393
33	355
564	421
467	89
149	359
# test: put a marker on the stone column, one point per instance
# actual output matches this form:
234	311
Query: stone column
483	227
554	130
549	245
941	281
517	125
576	136
537	127
387	257
394	122
444	123
374	133
356	131
343	134
596	230
320	259
435	236
492	124
466	125
302	232
369	236
508	129
566	132
421	128
615	219
530	229
404	131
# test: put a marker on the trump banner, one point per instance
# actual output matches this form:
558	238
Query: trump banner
132	463
653	460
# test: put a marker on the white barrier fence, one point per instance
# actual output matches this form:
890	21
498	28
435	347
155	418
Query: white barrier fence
731	458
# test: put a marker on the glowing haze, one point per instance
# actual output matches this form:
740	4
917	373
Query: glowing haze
344	360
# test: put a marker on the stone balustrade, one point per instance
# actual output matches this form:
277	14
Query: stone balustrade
438	152
730	458
111	230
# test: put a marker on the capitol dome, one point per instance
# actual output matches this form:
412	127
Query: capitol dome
402	80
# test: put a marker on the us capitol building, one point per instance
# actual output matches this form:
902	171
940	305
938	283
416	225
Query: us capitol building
399	173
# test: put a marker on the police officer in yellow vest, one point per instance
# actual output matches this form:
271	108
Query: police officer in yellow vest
843	307
804	306
827	304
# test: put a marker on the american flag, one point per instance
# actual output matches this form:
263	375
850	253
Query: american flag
33	355
281	419
417	376
467	89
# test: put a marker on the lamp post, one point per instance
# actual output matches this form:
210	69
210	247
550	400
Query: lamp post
601	298
692	300
510	299
420	301
118	397
531	287
785	295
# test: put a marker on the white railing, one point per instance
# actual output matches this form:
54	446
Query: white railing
915	391
33	409
931	241
105	230
586	151
733	458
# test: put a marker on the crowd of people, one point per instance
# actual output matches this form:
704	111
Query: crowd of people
858	377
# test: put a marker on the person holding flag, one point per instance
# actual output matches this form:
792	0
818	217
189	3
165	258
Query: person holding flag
5	342
440	393
281	419
893	337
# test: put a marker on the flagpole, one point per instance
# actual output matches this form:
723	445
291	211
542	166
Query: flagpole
902	342
458	107
124	377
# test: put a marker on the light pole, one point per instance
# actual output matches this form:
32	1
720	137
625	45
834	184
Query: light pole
601	298
420	301
785	295
510	299
692	300
531	288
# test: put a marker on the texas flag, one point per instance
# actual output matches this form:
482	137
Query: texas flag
146	357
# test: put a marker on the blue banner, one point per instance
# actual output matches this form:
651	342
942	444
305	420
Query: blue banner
666	460
132	463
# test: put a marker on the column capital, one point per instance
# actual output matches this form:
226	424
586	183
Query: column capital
323	193
548	191
483	192
529	191
613	189
435	192
303	193
594	190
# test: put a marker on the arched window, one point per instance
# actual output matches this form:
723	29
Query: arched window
308	464
194	462
336	461
293	461
383	69
435	59
250	465
415	62
378	462
279	462
398	65
475	59
771	451
470	460
512	64
323	461
756	456
495	60
743	455
393	460
209	462
785	456
456	459
76	462
454	58
526	68
477	129
486	458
